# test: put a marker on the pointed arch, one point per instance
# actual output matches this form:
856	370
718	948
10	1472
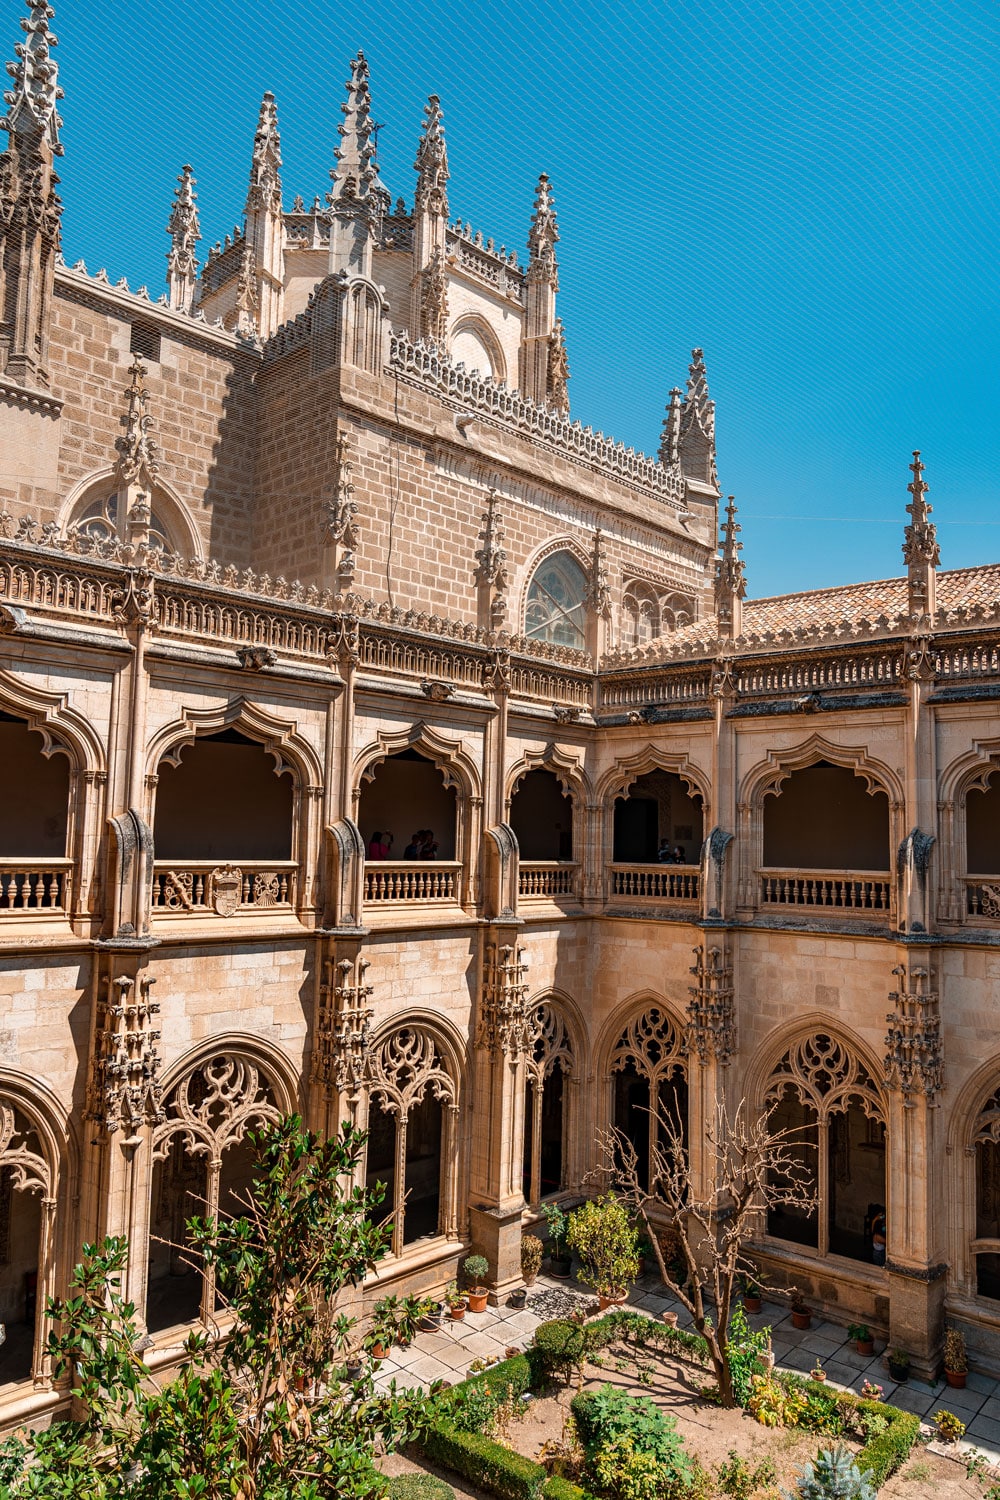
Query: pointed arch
962	899
62	728
280	738
974	1182
642	1054
766	777
450	756
555	1063
183	533
627	768
544	554
565	764
477	326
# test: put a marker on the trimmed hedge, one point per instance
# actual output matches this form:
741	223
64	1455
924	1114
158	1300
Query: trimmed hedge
884	1453
485	1463
419	1487
557	1488
515	1374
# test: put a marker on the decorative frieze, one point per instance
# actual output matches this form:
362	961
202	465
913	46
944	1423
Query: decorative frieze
914	1056
340	1057
125	1093
711	1025
503	1023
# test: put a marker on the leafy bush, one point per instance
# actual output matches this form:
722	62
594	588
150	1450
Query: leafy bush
606	1240
558	1488
745	1347
419	1487
532	1251
834	1475
560	1347
955	1357
735	1476
775	1403
950	1428
885	1453
629	1436
822	1413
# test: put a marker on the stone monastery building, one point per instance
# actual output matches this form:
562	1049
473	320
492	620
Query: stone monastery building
308	556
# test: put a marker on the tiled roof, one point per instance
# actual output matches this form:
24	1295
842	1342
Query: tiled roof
851	610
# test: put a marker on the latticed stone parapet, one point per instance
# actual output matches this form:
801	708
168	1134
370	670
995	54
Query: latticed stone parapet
914	1057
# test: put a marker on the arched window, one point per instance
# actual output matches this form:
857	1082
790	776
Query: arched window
34	870
541	815
982	831
824	817
224	827
550	1064
474	345
201	1161
101	519
413	1106
640	614
556	606
650	1083
656	820
831	1102
986	1248
27	1209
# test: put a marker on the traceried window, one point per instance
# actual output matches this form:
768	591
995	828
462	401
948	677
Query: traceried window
556	609
101	521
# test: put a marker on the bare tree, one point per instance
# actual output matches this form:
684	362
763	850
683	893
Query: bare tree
750	1167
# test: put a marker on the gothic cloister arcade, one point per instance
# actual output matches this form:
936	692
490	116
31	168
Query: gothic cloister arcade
648	1080
554	1063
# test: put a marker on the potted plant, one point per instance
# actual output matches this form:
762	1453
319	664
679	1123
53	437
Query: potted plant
410	1316
518	1297
560	1264
899	1364
456	1301
862	1336
950	1428
354	1364
532	1251
605	1240
430	1318
751	1295
476	1268
801	1316
871	1391
818	1372
647	1255
956	1362
385	1319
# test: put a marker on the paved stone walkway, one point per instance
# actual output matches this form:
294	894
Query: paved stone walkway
448	1354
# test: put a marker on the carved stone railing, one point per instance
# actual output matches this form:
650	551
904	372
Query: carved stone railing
549	879
426	881
205	887
678	689
827	890
426	366
982	897
35	885
656	883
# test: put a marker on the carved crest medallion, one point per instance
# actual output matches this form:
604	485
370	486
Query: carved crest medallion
227	885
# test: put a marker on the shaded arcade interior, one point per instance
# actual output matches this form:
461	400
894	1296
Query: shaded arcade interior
224	798
541	815
824	817
403	794
657	808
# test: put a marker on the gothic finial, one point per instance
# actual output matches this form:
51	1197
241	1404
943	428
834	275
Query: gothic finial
35	74
185	232
557	392
544	233
598	588
697	428
921	552
431	164
670	437
265	166
730	576
356	173
136	449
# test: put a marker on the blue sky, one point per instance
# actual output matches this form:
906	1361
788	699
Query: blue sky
808	190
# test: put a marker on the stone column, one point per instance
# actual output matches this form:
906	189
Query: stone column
915	1217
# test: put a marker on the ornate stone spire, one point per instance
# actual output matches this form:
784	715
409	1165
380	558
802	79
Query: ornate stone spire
29	207
543	235
543	366
670	437
261	285
492	577
730	577
921	552
697	428
265	166
185	232
557	384
431	164
137	461
358	199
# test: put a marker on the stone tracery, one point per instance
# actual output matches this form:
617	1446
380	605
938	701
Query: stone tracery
549	1047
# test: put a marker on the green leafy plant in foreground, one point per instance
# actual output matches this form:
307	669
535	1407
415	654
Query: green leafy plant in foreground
259	1416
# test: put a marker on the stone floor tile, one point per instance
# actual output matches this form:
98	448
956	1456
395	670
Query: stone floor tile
912	1398
427	1370
977	1382
841	1374
964	1404
991	1406
825	1348
983	1430
797	1359
481	1346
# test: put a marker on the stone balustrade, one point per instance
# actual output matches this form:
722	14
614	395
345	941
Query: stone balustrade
547	879
982	897
656	883
206	887
829	890
35	885
423	880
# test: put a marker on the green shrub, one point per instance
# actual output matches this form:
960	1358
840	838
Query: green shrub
557	1488
735	1477
745	1347
630	1436
886	1447
472	1405
560	1347
834	1475
884	1454
419	1487
487	1464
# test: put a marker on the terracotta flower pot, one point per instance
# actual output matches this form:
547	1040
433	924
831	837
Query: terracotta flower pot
560	1266
752	1304
457	1311
603	1303
819	1375
956	1379
801	1319
670	1318
379	1351
477	1299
